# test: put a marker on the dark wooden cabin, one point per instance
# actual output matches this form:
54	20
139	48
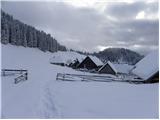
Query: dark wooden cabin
107	69
148	68
90	63
154	78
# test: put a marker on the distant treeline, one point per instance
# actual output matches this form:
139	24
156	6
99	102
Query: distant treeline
17	33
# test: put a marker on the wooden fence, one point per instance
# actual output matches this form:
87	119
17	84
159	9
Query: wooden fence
98	78
23	74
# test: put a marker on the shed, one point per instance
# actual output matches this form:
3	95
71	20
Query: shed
115	68
90	62
148	68
108	68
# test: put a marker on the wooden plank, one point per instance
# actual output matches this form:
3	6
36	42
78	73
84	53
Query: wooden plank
14	70
21	78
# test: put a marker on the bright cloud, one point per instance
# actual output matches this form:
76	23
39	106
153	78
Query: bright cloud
140	15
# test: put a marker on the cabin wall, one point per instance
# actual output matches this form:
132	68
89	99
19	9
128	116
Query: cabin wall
107	70
87	63
154	78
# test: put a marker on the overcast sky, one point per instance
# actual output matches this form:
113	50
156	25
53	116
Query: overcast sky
89	25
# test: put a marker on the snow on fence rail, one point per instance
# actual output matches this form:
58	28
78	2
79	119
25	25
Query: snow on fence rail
78	77
98	78
23	74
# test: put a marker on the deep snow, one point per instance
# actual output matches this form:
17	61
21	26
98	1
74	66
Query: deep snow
43	97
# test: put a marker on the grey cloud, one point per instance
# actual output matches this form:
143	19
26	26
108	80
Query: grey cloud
152	8
145	32
132	31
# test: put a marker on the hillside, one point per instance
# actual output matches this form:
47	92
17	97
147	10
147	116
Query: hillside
17	33
42	96
119	55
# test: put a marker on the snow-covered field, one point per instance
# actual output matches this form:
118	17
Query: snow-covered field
41	96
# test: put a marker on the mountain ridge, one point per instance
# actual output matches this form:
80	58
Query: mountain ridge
119	55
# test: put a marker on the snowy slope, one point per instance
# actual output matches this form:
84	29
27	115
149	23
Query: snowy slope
21	100
148	66
43	97
66	57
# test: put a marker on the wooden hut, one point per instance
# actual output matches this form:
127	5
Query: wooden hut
148	68
90	62
108	68
154	78
114	68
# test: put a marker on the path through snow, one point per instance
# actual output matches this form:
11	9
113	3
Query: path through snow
102	100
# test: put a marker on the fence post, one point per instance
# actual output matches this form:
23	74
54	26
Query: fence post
3	72
63	76
26	75
58	74
15	81
21	71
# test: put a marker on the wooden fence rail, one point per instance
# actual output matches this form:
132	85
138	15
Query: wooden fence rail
13	70
23	74
20	78
6	72
98	78
78	77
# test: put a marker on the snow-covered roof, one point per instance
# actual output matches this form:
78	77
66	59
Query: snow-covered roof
96	60
57	59
148	66
118	68
112	66
66	57
123	68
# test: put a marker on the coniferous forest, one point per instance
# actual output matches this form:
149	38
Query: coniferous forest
17	33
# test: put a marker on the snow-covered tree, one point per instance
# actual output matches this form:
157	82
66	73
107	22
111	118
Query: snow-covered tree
17	33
